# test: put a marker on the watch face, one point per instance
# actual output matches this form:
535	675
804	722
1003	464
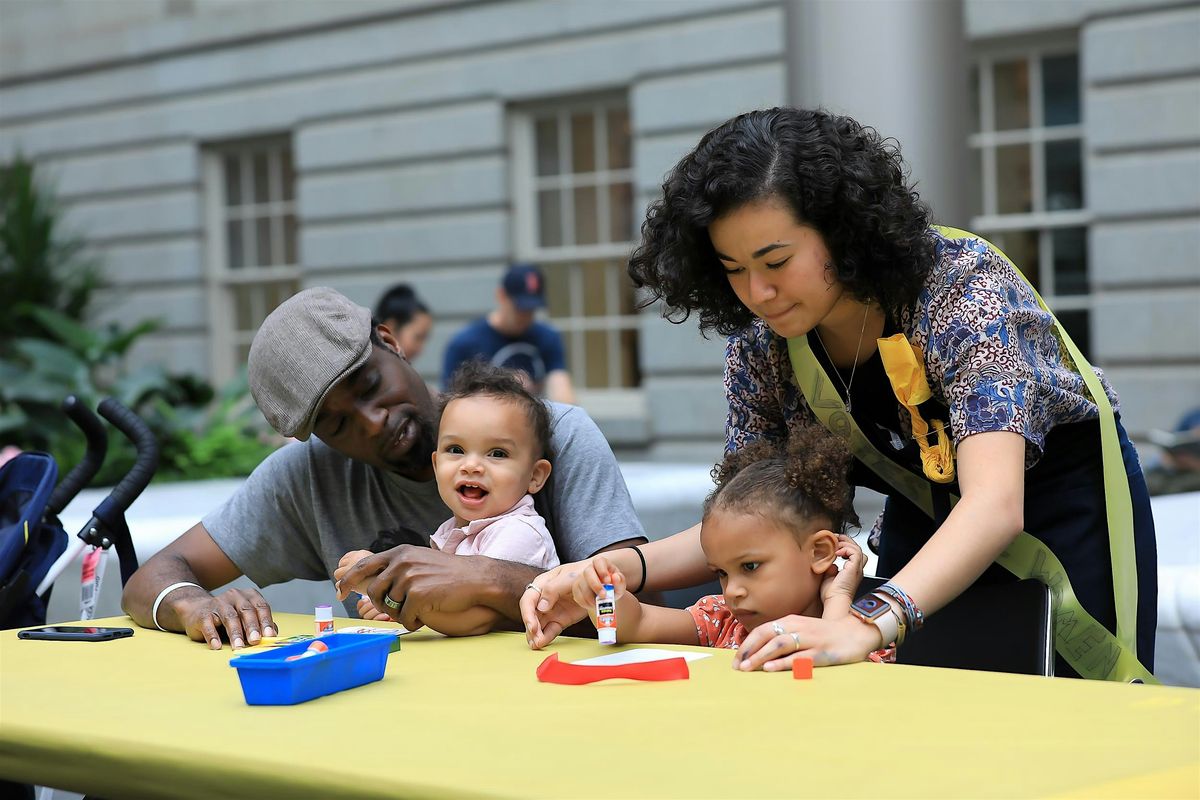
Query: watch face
869	607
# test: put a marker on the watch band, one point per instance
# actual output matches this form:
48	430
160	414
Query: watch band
874	609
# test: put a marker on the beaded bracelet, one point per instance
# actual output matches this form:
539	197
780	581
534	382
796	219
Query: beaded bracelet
914	616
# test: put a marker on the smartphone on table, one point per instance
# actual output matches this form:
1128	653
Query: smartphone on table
75	633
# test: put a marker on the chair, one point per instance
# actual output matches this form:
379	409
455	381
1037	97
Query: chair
995	627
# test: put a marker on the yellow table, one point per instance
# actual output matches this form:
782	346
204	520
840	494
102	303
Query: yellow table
158	715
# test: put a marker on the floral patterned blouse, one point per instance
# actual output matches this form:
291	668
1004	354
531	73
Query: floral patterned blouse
992	358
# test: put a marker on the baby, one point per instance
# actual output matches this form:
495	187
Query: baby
489	461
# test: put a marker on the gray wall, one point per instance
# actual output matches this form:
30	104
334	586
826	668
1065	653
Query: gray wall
398	113
400	139
1141	74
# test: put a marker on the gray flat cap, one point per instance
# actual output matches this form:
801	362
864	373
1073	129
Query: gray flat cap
308	344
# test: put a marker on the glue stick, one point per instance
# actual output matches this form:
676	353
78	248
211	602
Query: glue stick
606	615
324	619
314	648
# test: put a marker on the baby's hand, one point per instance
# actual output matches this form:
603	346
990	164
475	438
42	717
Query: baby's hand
344	564
846	580
367	611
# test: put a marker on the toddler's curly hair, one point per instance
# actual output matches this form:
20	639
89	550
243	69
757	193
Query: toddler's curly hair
794	485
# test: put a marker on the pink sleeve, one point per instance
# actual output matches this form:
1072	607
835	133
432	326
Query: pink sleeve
516	539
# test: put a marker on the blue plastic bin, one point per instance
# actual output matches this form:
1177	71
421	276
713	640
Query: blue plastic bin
269	679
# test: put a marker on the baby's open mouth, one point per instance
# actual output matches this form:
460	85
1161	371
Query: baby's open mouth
472	492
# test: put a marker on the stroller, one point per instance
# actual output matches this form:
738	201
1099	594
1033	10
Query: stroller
34	547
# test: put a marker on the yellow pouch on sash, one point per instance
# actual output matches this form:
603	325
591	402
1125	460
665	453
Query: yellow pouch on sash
904	364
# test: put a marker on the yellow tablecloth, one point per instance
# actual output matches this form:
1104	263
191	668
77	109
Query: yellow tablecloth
158	715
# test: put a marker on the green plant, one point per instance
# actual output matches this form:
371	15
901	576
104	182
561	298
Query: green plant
45	355
228	438
41	265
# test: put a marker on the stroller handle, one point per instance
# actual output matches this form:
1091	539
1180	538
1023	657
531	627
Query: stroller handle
93	459
143	440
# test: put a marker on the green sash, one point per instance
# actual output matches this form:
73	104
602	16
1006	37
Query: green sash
1086	644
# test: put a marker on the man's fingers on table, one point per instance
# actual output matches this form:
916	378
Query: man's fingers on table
208	630
266	623
232	620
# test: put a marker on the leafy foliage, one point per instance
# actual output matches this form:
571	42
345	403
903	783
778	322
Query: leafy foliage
46	354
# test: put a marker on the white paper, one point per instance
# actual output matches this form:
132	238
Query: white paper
641	655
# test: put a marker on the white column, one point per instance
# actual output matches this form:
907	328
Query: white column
899	66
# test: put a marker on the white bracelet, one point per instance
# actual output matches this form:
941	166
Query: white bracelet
158	600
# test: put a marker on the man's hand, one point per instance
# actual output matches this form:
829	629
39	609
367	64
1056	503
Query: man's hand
244	615
422	581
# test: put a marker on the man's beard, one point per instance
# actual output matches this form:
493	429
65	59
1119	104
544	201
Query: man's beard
420	456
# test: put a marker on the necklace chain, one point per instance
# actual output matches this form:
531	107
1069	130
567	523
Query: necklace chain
857	351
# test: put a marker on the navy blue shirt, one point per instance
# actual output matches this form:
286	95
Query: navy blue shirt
538	351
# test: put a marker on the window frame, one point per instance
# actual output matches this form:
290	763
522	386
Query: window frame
984	141
221	278
525	183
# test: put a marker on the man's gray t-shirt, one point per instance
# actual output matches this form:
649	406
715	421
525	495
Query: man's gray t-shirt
307	505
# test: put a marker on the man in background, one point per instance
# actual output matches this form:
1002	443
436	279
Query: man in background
509	336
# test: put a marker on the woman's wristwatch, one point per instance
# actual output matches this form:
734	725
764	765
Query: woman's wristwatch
874	609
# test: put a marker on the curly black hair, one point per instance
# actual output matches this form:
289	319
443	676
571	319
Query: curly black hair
793	484
477	378
837	176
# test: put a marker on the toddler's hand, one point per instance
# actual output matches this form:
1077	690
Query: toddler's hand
846	580
607	573
344	564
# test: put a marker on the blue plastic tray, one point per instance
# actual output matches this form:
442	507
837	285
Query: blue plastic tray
269	679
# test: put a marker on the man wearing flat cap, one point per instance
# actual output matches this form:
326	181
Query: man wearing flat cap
322	371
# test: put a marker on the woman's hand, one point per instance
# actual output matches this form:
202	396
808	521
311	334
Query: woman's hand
839	586
826	641
550	607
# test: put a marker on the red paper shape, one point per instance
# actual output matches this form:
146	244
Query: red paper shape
554	671
802	668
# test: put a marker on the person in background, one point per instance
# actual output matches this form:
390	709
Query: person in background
409	319
509	336
1178	469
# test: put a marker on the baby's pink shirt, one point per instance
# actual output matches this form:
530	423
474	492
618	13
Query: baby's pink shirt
518	535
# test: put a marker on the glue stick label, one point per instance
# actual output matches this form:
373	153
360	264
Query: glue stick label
606	615
324	618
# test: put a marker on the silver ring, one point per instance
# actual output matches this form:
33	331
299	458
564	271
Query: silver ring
796	639
390	603
779	631
532	585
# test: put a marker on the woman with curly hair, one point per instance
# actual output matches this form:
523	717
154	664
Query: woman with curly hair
796	234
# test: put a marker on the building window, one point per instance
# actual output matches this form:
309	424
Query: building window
252	243
1028	139
573	195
